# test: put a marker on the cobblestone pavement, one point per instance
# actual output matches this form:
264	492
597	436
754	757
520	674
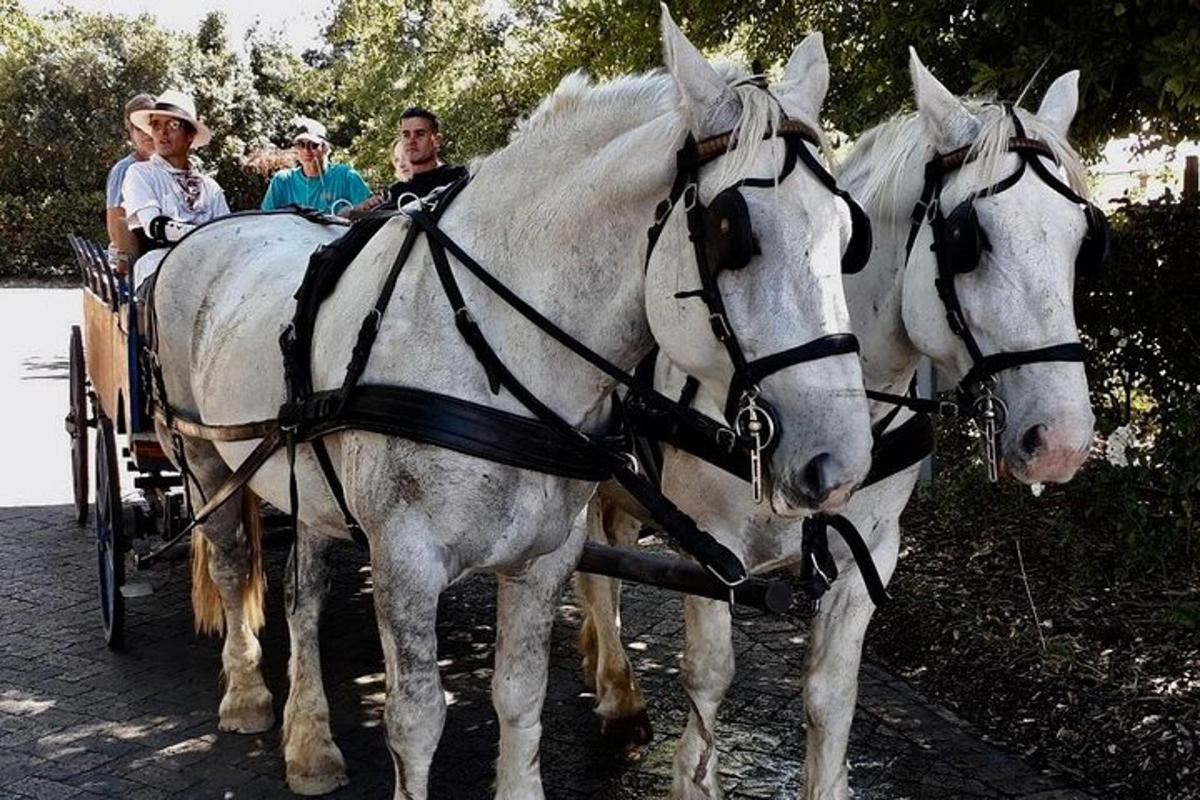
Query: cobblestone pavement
79	721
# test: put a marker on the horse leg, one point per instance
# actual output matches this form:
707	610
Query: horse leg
707	674
619	699
525	606
409	573
314	763
227	593
831	682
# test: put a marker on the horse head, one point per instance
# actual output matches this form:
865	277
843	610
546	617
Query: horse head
773	236
1008	232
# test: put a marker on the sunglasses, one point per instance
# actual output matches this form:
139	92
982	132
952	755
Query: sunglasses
172	125
305	144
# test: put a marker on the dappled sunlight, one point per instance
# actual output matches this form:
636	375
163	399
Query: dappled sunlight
15	702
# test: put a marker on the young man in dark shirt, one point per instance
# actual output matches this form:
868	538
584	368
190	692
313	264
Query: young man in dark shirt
420	139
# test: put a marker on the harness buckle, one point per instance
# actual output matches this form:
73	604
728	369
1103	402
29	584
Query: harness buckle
957	324
662	211
948	408
691	195
721	434
720	326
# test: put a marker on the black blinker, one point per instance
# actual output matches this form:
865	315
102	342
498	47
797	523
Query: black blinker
729	241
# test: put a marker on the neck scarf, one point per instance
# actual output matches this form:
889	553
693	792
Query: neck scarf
187	179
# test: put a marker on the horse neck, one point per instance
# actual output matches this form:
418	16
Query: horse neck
567	235
874	296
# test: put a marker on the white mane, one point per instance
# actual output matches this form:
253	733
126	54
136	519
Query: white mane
585	116
886	166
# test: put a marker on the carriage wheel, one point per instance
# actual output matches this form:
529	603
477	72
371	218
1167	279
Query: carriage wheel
110	534
77	417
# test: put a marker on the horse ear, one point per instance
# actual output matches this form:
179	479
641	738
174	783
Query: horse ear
712	107
947	121
807	73
1061	102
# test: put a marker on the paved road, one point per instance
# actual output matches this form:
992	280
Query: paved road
78	721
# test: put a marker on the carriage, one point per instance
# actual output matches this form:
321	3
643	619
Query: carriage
107	391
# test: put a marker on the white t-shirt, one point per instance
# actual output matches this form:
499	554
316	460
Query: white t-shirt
154	188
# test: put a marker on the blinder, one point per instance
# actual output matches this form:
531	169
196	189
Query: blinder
961	240
962	237
729	241
858	251
1093	250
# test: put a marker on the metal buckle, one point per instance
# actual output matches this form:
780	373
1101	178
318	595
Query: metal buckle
691	195
720	326
662	211
948	408
721	433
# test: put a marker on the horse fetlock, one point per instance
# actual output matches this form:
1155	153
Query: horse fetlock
246	709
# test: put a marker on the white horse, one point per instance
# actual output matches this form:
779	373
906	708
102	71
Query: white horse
1018	298
560	215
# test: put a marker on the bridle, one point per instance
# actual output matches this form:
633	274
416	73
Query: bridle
958	242
722	239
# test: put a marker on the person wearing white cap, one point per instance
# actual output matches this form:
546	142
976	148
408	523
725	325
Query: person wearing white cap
329	188
166	196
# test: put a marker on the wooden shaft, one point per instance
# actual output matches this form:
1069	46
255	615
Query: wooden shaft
680	575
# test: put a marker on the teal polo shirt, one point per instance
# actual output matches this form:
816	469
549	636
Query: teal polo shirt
340	184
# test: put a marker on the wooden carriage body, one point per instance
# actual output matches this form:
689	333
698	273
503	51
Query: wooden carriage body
113	355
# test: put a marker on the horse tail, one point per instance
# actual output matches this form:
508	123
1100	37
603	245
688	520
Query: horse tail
208	610
254	591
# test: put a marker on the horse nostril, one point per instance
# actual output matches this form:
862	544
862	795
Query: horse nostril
816	477
1033	439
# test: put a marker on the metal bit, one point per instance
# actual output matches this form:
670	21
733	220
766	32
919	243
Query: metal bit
752	415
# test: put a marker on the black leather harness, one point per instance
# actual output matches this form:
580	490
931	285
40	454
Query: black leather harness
545	442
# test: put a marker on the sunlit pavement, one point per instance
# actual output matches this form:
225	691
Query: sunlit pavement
79	721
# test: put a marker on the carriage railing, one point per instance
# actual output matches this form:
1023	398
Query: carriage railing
97	273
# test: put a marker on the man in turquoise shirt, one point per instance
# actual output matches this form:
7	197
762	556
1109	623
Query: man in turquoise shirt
331	188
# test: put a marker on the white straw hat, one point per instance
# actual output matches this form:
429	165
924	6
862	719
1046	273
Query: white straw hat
173	103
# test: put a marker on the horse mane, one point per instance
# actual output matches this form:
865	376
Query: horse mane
886	166
586	116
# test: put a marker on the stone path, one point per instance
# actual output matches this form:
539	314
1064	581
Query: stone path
77	720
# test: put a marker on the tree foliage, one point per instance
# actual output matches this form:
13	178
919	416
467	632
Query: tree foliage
482	65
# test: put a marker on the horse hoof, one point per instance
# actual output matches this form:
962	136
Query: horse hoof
250	712
310	784
631	732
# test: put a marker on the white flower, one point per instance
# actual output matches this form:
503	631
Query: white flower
1120	442
1037	489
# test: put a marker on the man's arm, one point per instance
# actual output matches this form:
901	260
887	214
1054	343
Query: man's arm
123	240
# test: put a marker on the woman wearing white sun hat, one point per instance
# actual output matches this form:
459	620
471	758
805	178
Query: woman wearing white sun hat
166	196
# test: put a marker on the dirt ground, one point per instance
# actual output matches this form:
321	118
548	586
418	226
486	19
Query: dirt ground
1105	689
